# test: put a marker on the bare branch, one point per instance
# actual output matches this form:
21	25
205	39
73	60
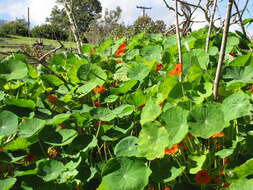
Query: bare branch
74	28
51	51
178	38
222	50
240	20
211	26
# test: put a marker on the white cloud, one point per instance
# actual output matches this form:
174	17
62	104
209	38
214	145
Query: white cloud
39	9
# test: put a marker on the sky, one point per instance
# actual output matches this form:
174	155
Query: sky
40	10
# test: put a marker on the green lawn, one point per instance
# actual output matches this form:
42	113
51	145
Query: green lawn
10	43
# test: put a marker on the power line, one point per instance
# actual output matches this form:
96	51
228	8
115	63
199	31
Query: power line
144	9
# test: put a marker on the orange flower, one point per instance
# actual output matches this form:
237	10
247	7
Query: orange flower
97	104
99	89
177	70
167	188
1	149
52	152
220	134
120	51
159	67
52	98
222	172
171	150
202	177
152	187
118	61
226	160
30	158
93	51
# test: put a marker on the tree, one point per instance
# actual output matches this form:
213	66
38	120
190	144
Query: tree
85	11
148	25
18	27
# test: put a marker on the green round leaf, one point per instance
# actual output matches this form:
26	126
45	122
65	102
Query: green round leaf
61	137
208	120
129	174
13	69
123	110
150	112
152	53
49	170
93	73
235	106
8	123
176	124
23	103
103	114
153	139
138	71
7	184
31	127
127	147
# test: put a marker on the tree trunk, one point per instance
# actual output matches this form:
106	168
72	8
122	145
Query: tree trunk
73	25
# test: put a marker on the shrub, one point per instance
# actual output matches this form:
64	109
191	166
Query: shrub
50	32
18	27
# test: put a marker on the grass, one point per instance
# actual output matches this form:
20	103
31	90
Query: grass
12	43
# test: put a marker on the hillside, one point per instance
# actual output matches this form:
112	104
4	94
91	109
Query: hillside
13	43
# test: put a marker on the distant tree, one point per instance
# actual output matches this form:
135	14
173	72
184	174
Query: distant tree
107	27
49	31
85	11
18	27
148	25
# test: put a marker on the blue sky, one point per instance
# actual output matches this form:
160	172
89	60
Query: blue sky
40	9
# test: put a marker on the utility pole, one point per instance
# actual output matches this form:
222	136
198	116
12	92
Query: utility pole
143	9
28	20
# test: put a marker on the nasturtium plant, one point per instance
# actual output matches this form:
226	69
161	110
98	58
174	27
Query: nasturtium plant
126	115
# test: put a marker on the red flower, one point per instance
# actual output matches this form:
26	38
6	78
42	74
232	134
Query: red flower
232	54
1	149
177	70
99	89
202	177
52	98
216	180
167	188
30	158
226	160
220	134
97	104
226	185
159	67
120	51
171	150
63	126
